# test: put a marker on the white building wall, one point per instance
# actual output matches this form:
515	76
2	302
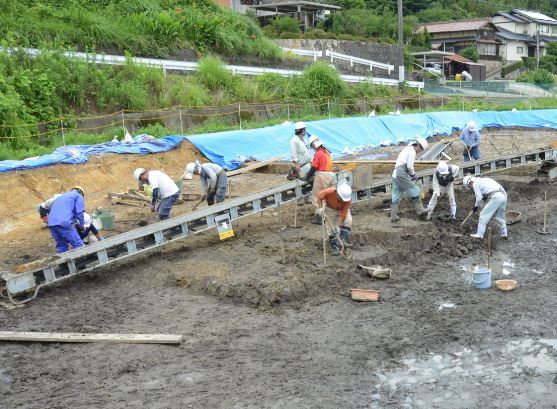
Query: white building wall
509	51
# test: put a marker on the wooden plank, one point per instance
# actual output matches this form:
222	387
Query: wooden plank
387	162
253	167
85	337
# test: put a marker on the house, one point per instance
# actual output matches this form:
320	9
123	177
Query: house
306	12
456	35
523	32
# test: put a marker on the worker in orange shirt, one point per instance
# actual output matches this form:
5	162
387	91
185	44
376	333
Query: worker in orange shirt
322	172
335	202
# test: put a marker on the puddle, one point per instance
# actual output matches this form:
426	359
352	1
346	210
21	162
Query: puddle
461	372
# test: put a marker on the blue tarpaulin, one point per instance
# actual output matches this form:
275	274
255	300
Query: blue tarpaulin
72	154
352	135
341	136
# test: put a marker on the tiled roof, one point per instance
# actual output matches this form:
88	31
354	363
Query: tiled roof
455	25
509	35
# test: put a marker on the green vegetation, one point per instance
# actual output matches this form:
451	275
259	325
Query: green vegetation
48	87
157	28
540	77
471	53
511	68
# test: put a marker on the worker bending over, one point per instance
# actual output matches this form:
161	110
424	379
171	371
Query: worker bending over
404	178
496	202
88	227
470	138
299	152
163	186
443	179
322	172
213	180
64	210
335	203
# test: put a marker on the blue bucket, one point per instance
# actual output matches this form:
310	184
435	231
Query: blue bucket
482	277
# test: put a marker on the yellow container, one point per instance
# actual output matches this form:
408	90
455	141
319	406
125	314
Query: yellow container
458	77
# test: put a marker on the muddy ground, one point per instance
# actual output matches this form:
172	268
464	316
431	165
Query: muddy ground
263	333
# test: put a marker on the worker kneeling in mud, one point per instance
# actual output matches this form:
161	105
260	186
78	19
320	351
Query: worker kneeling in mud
336	202
213	180
322	172
404	178
64	210
162	185
496	202
443	179
88	228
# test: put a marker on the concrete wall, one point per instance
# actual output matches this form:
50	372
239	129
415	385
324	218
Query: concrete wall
384	53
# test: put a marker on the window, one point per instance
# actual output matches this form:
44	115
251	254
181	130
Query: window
553	30
487	49
544	29
519	50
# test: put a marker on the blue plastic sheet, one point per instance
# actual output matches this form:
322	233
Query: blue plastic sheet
341	136
72	154
352	135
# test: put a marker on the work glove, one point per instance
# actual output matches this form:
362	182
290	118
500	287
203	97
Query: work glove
475	209
321	211
100	238
152	208
414	177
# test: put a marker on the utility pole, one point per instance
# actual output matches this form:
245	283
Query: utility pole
400	43
538	49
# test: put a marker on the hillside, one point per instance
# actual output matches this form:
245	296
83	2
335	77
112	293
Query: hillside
157	28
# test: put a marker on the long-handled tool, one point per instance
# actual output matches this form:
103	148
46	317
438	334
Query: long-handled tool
344	252
466	219
544	230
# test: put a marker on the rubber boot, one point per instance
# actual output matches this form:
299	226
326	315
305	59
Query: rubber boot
504	233
335	249
317	219
394	213
481	231
420	210
345	236
453	212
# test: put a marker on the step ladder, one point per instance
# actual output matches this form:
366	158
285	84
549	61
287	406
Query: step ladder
22	288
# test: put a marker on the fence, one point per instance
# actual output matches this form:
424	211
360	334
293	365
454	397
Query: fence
190	120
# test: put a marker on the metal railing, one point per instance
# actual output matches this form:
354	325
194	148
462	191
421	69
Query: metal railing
356	60
193	66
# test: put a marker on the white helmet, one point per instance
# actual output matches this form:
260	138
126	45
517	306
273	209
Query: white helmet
443	168
190	168
299	125
137	173
344	191
471	125
314	140
422	142
467	179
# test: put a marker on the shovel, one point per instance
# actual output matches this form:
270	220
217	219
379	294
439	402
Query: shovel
544	230
344	252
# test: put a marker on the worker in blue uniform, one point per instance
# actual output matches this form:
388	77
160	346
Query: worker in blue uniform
67	208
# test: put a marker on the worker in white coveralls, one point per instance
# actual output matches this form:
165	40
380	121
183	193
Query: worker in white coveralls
299	152
404	178
88	228
496	202
335	203
44	207
443	179
322	172
213	180
163	186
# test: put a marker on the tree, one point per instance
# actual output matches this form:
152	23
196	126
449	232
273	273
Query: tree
471	53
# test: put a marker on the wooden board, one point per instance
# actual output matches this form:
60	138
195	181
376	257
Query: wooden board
78	337
250	168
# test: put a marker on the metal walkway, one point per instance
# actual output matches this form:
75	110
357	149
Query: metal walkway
23	287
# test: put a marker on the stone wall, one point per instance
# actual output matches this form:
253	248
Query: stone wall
384	53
